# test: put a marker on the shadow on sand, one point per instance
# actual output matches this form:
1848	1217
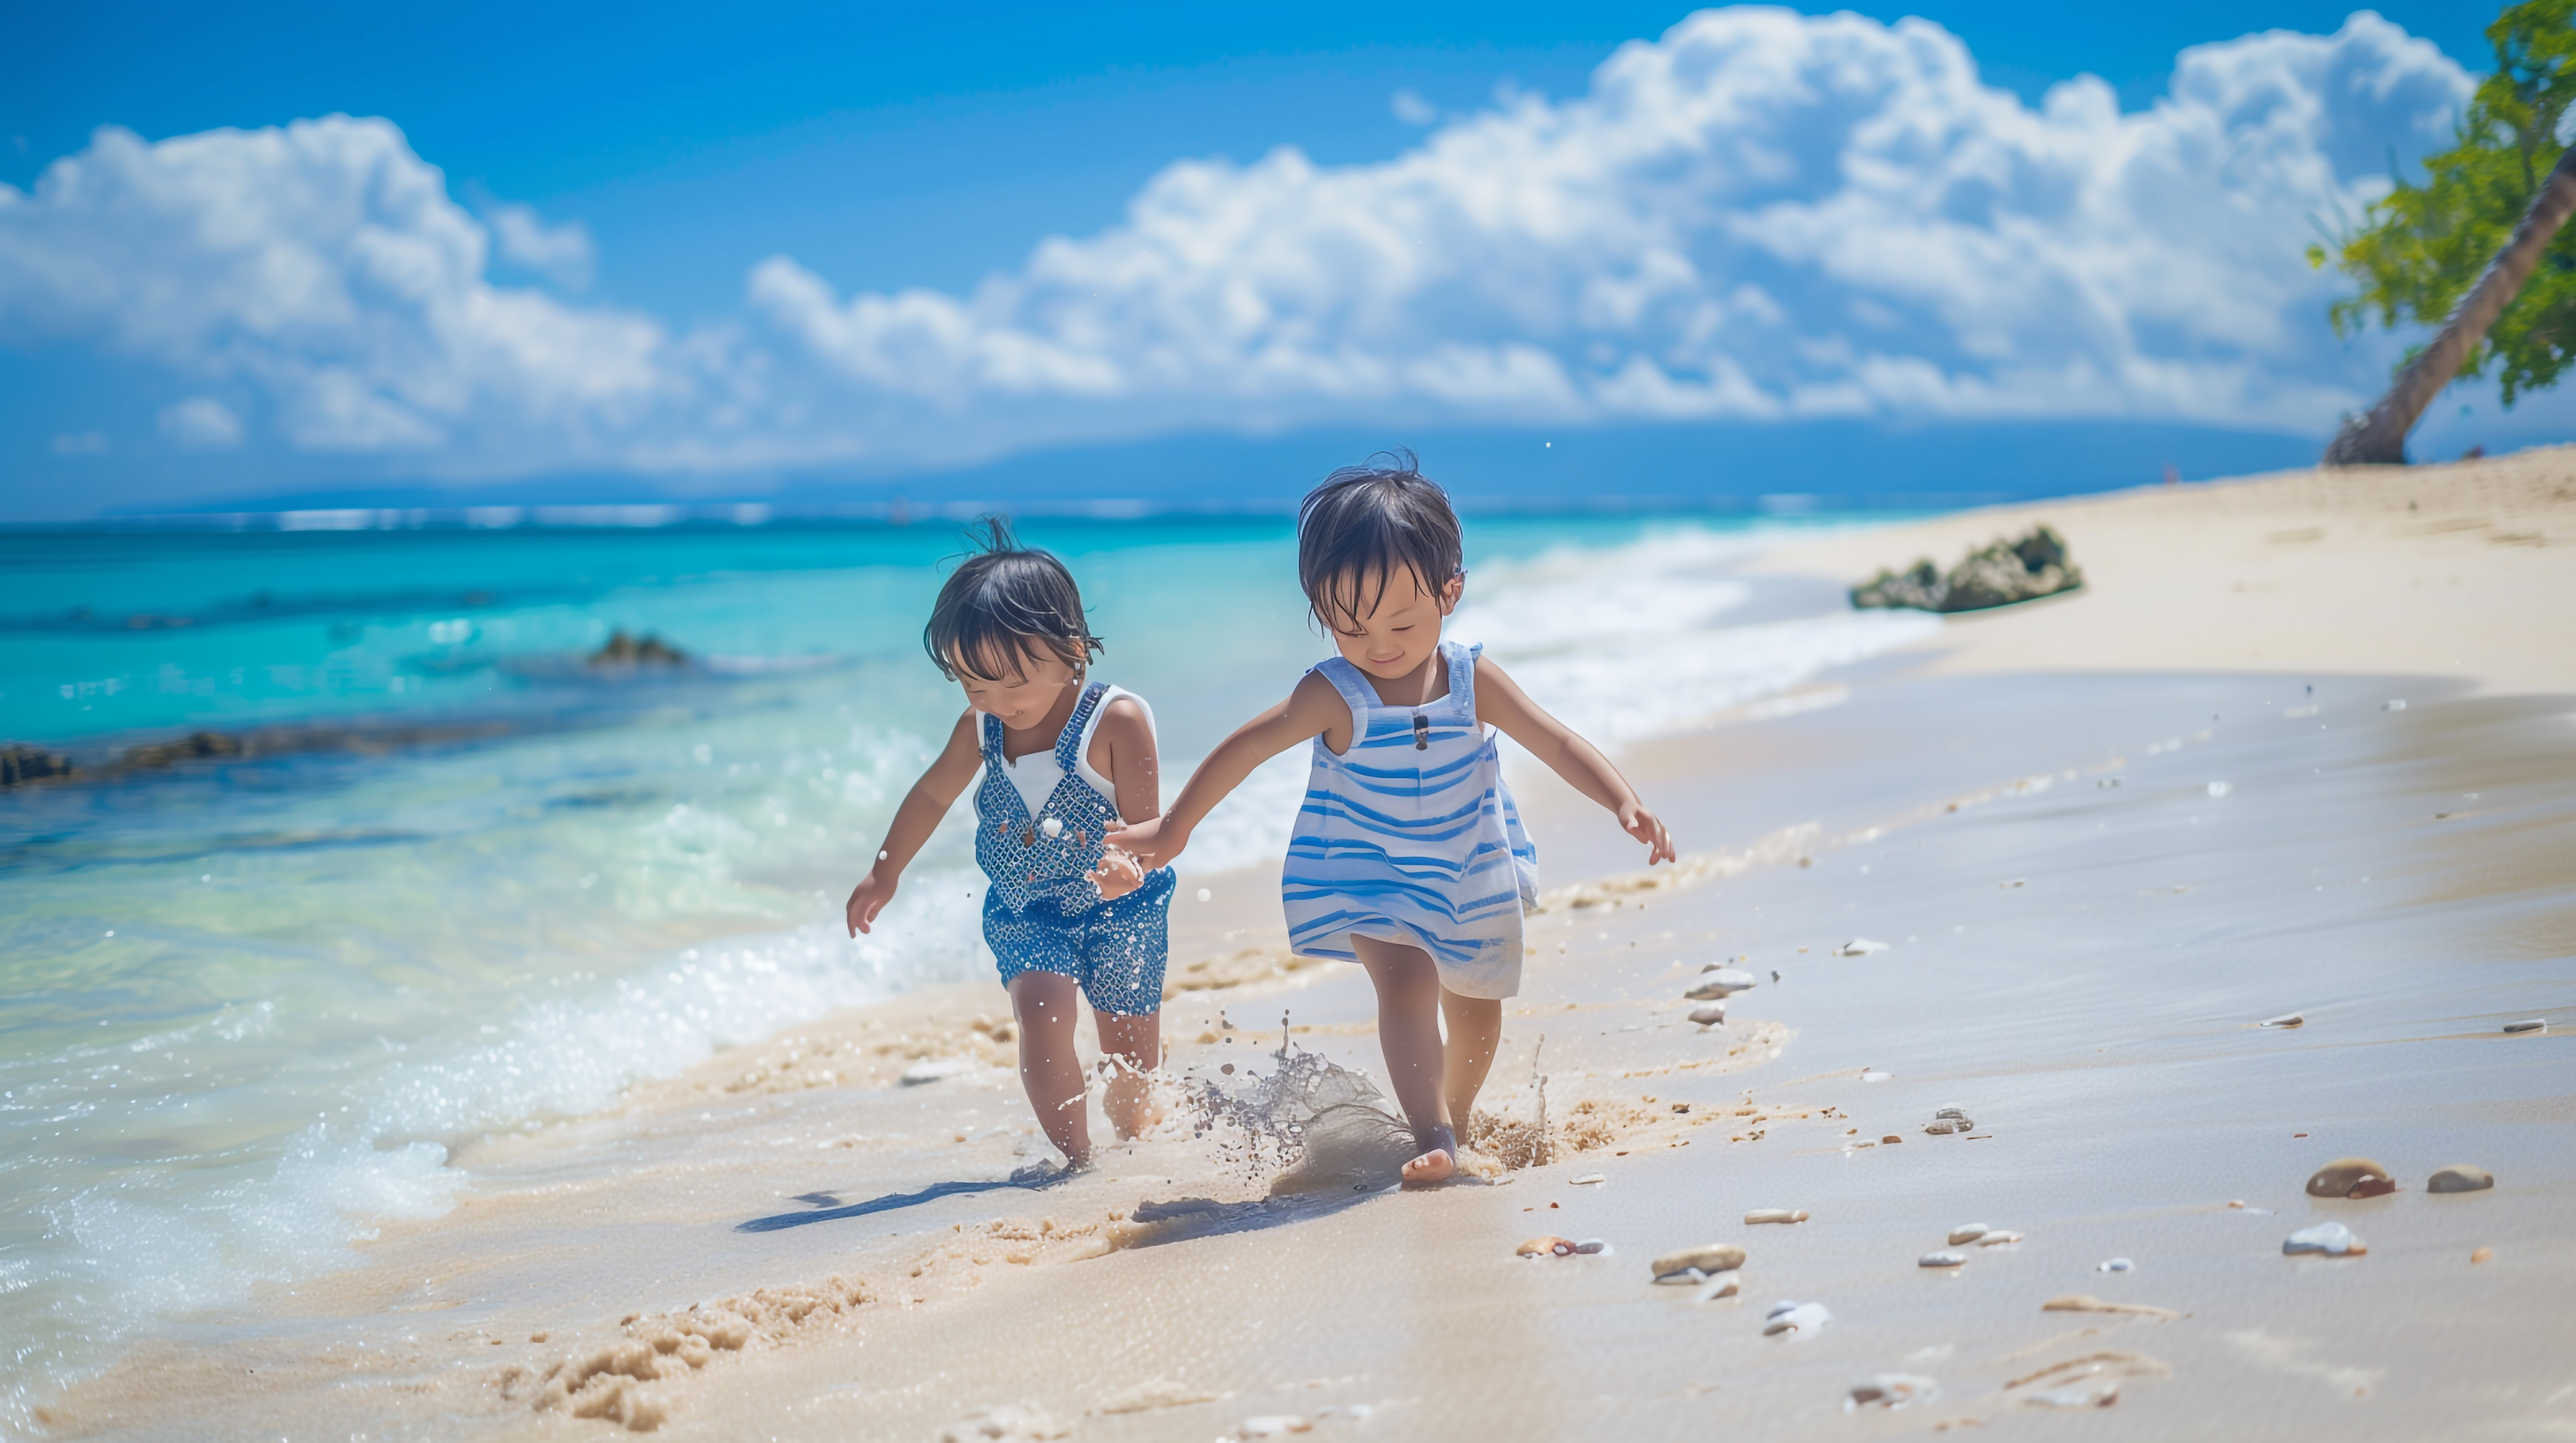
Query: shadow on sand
831	1209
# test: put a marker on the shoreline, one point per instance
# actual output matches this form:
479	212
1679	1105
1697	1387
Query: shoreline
1984	738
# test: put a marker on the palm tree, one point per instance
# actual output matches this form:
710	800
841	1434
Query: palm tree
2377	437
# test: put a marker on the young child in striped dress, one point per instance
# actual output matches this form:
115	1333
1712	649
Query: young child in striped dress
1408	855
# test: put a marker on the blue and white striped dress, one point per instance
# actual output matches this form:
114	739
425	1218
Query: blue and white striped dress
1411	837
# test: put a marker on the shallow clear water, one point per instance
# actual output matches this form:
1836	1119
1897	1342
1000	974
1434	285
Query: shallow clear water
246	1005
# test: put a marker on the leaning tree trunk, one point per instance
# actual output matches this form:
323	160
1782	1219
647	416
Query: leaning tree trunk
2377	437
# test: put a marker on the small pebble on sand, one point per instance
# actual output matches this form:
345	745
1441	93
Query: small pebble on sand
1724	1285
1859	947
1941	1260
1872	1075
2286	1019
1967	1233
2461	1177
1794	1319
2481	1255
1998	1238
2340	1177
1890	1390
1591	1247
1709	1014
2115	1265
1545	1246
1716	985
1891	1138
1776	1215
1589	1178
2533	1024
2332	1239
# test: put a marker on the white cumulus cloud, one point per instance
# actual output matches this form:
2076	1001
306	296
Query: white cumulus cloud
1759	215
325	263
201	423
563	253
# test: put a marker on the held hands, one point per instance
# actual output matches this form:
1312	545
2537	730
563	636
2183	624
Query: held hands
1147	843
1648	828
1117	875
867	900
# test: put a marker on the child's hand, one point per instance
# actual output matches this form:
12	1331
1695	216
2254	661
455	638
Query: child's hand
867	900
1117	875
1146	842
1648	828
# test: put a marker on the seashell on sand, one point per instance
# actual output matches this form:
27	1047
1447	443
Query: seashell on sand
2334	1240
1547	1245
2088	1395
1590	1179
1941	1260
2481	1255
1968	1233
1723	982
1891	1390
1998	1238
1709	1015
2286	1019
1776	1215
1795	1319
1707	1259
2339	1177
2461	1177
2532	1024
1724	1285
2115	1265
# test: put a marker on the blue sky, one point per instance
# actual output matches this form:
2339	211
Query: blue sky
652	159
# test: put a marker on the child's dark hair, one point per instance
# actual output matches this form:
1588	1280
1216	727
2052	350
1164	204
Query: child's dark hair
1001	602
1362	525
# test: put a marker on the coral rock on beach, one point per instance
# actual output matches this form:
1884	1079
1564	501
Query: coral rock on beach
2350	1177
1708	1258
1998	574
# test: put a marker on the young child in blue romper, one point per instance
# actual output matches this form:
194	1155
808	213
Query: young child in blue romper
1063	758
1408	856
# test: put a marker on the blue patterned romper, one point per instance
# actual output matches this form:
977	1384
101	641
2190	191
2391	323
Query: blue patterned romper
1043	912
1410	836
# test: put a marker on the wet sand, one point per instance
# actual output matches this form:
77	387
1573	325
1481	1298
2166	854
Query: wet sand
2103	837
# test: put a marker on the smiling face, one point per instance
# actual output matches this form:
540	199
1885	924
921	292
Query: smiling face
1022	694
1395	627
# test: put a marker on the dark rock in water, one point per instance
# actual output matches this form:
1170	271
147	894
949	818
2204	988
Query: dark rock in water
646	650
1995	575
193	747
20	765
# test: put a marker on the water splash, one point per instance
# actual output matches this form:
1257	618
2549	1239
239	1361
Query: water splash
1310	1125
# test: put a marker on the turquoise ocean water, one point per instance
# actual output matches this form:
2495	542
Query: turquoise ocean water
246	1005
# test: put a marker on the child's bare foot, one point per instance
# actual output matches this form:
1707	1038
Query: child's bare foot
1439	1160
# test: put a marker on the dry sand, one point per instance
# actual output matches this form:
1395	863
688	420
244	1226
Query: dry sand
2103	837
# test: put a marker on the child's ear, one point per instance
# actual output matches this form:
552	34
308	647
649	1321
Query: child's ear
1450	593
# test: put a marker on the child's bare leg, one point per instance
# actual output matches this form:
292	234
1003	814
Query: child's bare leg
1135	1046
1408	1031
1044	1005
1475	1035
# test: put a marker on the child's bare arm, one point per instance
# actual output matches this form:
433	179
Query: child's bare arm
914	821
1123	751
1313	708
1502	704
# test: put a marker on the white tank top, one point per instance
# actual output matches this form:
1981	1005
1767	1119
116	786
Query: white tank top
1036	775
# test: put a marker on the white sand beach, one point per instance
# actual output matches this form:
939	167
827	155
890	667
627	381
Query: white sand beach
2304	744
